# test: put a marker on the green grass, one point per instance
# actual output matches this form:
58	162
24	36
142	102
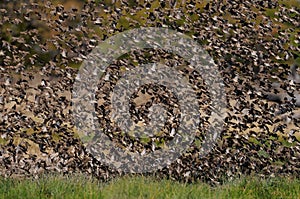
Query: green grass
56	186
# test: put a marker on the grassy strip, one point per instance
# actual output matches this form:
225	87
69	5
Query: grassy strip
145	187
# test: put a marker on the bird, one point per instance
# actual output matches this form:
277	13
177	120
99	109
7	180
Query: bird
294	75
283	96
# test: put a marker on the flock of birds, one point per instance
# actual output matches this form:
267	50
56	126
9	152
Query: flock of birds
39	43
